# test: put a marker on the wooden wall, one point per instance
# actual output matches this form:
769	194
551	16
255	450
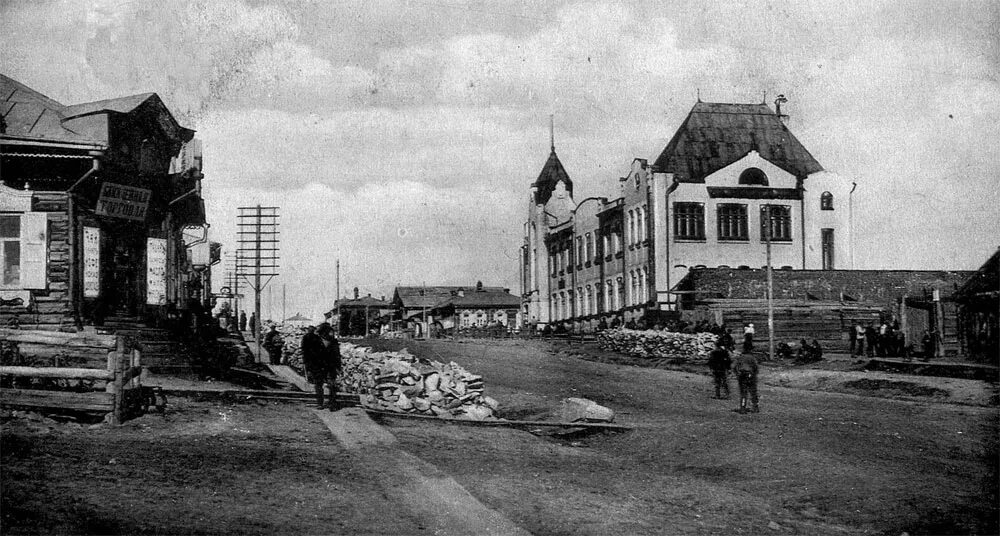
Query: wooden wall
50	308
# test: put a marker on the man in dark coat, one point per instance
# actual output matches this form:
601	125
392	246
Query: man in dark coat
719	363
746	375
330	352
243	320
314	361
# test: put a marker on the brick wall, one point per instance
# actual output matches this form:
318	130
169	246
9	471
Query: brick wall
881	287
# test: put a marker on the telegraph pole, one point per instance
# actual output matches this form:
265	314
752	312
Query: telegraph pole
257	253
770	285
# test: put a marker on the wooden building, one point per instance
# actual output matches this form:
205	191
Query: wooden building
101	214
979	312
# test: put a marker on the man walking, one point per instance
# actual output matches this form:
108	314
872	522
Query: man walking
719	363
331	361
746	375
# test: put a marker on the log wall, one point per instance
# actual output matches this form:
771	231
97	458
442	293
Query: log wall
52	307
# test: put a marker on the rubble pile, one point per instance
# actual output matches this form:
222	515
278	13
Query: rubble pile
401	382
658	344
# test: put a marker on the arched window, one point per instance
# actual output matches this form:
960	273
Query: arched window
590	248
753	176
826	201
588	304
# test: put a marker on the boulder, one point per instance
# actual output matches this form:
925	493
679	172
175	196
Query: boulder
583	410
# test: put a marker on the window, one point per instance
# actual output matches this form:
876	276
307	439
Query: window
634	297
580	311
10	250
827	245
732	221
609	302
753	176
590	247
620	299
579	250
689	221
780	217
630	238
598	298
826	201
642	224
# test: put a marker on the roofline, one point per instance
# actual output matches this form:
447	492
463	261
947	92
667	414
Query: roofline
13	139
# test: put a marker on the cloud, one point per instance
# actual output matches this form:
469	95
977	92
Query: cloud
384	234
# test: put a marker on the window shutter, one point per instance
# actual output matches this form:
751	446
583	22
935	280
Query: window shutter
34	250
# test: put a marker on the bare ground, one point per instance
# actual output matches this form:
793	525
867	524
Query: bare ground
813	462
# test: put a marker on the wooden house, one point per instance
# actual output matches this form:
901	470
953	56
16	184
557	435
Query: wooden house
101	214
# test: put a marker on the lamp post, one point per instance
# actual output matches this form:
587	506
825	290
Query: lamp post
770	284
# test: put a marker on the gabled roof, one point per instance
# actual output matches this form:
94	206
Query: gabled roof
984	283
485	298
122	105
364	301
414	297
28	113
552	172
715	135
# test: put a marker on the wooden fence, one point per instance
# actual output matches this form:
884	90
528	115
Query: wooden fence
106	372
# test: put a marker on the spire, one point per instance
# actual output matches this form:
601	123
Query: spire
552	132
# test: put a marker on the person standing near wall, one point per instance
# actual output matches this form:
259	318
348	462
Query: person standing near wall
746	375
719	363
748	333
243	321
330	356
313	361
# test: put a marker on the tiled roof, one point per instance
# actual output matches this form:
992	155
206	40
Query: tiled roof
552	172
715	135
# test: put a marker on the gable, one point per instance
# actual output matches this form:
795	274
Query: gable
714	135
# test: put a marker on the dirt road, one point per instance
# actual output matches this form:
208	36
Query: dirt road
811	463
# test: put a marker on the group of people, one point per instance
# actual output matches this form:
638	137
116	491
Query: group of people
746	370
321	359
888	340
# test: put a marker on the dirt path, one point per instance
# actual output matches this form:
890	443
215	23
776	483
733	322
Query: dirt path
443	506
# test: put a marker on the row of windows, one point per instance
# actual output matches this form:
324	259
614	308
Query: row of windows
731	219
597	298
611	242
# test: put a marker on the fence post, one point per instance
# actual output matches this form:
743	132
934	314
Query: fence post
118	396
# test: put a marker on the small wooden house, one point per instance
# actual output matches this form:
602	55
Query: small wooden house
101	212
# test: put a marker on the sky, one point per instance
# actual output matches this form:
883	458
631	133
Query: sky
401	136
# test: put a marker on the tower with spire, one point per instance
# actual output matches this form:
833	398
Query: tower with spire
550	204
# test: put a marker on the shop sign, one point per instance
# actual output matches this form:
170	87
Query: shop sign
156	271
120	201
91	262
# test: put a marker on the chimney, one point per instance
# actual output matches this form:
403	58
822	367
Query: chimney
383	297
777	108
461	293
355	293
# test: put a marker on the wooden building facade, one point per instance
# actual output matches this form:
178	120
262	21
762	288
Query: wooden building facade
101	214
